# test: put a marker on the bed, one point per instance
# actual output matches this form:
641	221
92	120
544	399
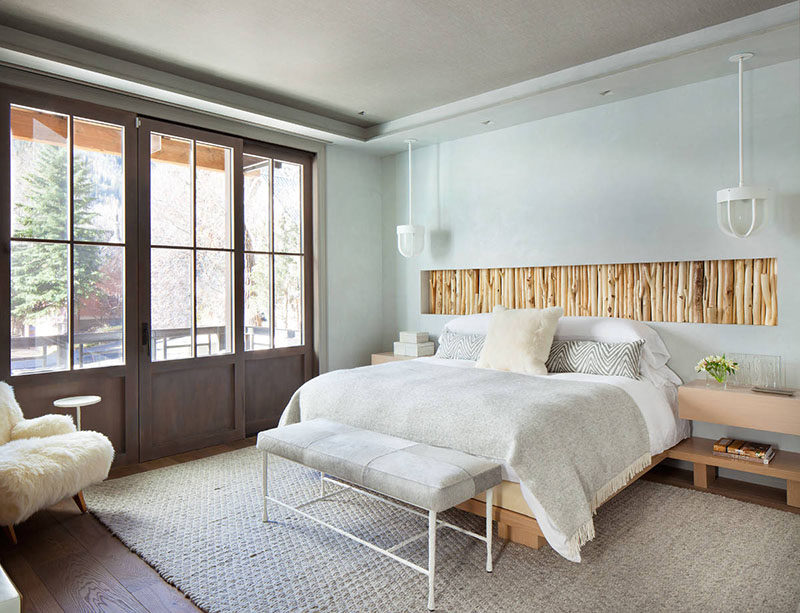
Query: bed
567	441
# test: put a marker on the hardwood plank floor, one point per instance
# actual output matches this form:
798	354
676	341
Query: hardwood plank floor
68	562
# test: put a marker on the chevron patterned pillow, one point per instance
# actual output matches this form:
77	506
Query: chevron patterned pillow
596	358
455	346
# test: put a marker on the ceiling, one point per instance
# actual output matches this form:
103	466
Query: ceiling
389	58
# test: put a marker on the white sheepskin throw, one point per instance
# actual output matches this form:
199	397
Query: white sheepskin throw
10	413
46	425
38	472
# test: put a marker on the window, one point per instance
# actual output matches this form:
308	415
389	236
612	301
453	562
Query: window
67	259
191	257
273	253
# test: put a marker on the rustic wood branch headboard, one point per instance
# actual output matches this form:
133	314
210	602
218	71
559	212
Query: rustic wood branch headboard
712	291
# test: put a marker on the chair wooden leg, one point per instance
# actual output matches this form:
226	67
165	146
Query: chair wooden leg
78	498
10	534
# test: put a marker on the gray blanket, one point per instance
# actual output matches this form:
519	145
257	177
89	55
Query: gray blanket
572	443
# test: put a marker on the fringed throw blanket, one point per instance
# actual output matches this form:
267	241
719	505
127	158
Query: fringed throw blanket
572	443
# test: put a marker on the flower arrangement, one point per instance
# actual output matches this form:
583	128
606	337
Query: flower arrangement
718	366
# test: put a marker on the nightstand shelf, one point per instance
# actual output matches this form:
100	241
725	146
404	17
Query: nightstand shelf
744	408
785	465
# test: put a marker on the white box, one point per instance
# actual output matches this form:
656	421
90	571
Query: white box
415	350
413	337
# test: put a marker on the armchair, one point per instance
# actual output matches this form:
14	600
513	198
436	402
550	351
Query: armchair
44	460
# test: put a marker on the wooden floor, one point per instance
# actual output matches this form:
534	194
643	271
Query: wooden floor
68	561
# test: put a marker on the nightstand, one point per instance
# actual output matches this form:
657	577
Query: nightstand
742	407
381	358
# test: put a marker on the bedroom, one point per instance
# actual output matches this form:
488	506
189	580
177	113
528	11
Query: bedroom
552	142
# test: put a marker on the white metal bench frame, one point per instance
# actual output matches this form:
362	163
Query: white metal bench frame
433	525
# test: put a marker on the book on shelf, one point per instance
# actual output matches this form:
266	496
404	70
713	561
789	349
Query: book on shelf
738	449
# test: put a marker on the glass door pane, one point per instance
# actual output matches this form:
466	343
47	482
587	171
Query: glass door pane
171	187
67	241
191	234
274	253
214	302
288	300
171	303
288	205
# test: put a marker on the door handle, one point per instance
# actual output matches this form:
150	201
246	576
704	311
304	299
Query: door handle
146	337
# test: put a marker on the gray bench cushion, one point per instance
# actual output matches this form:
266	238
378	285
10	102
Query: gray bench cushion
429	477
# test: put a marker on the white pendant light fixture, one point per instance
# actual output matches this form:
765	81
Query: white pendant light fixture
410	238
741	210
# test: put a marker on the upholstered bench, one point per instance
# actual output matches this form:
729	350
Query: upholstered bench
432	478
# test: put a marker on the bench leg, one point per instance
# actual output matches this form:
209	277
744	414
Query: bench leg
264	486
489	515
431	557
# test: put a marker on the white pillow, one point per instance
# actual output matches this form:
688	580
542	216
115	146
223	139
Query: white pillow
470	324
518	340
613	330
604	329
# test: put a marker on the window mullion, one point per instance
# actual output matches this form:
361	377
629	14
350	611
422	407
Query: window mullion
272	321
193	331
71	248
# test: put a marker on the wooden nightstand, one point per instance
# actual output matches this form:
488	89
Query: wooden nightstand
380	358
747	409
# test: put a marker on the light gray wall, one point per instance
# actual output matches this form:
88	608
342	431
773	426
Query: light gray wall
353	248
630	181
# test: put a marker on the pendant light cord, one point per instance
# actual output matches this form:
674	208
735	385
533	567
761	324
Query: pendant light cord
409	174
741	124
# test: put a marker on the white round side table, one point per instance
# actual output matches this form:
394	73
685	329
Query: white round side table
76	402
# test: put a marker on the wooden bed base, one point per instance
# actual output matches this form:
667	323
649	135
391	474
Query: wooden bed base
523	528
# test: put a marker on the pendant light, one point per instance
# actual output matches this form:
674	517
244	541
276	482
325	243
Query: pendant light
410	238
741	210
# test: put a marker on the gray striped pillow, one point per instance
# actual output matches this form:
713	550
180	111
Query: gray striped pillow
455	346
596	358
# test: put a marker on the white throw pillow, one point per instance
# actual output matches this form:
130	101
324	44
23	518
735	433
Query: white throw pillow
519	340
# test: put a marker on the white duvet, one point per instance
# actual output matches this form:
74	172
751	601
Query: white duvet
658	407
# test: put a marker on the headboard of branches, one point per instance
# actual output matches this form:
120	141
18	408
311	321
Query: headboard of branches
712	291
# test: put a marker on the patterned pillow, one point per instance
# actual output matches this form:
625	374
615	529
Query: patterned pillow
455	346
596	358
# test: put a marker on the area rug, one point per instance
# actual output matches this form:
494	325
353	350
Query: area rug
658	548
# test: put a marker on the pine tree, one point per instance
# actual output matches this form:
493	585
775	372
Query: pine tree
39	270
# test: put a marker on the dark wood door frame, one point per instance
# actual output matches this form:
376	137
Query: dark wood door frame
36	391
149	445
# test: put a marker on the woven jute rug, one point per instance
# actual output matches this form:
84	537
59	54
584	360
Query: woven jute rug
658	548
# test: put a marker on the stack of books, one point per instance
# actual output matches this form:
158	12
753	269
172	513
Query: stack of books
414	344
744	450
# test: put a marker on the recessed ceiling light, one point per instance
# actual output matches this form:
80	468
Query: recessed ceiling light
487	122
606	92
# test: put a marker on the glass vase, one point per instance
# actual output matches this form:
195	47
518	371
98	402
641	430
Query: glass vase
712	383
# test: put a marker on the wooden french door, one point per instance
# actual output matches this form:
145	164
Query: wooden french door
191	356
278	279
68	260
165	268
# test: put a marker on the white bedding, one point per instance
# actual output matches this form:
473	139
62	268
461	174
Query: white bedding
658	408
